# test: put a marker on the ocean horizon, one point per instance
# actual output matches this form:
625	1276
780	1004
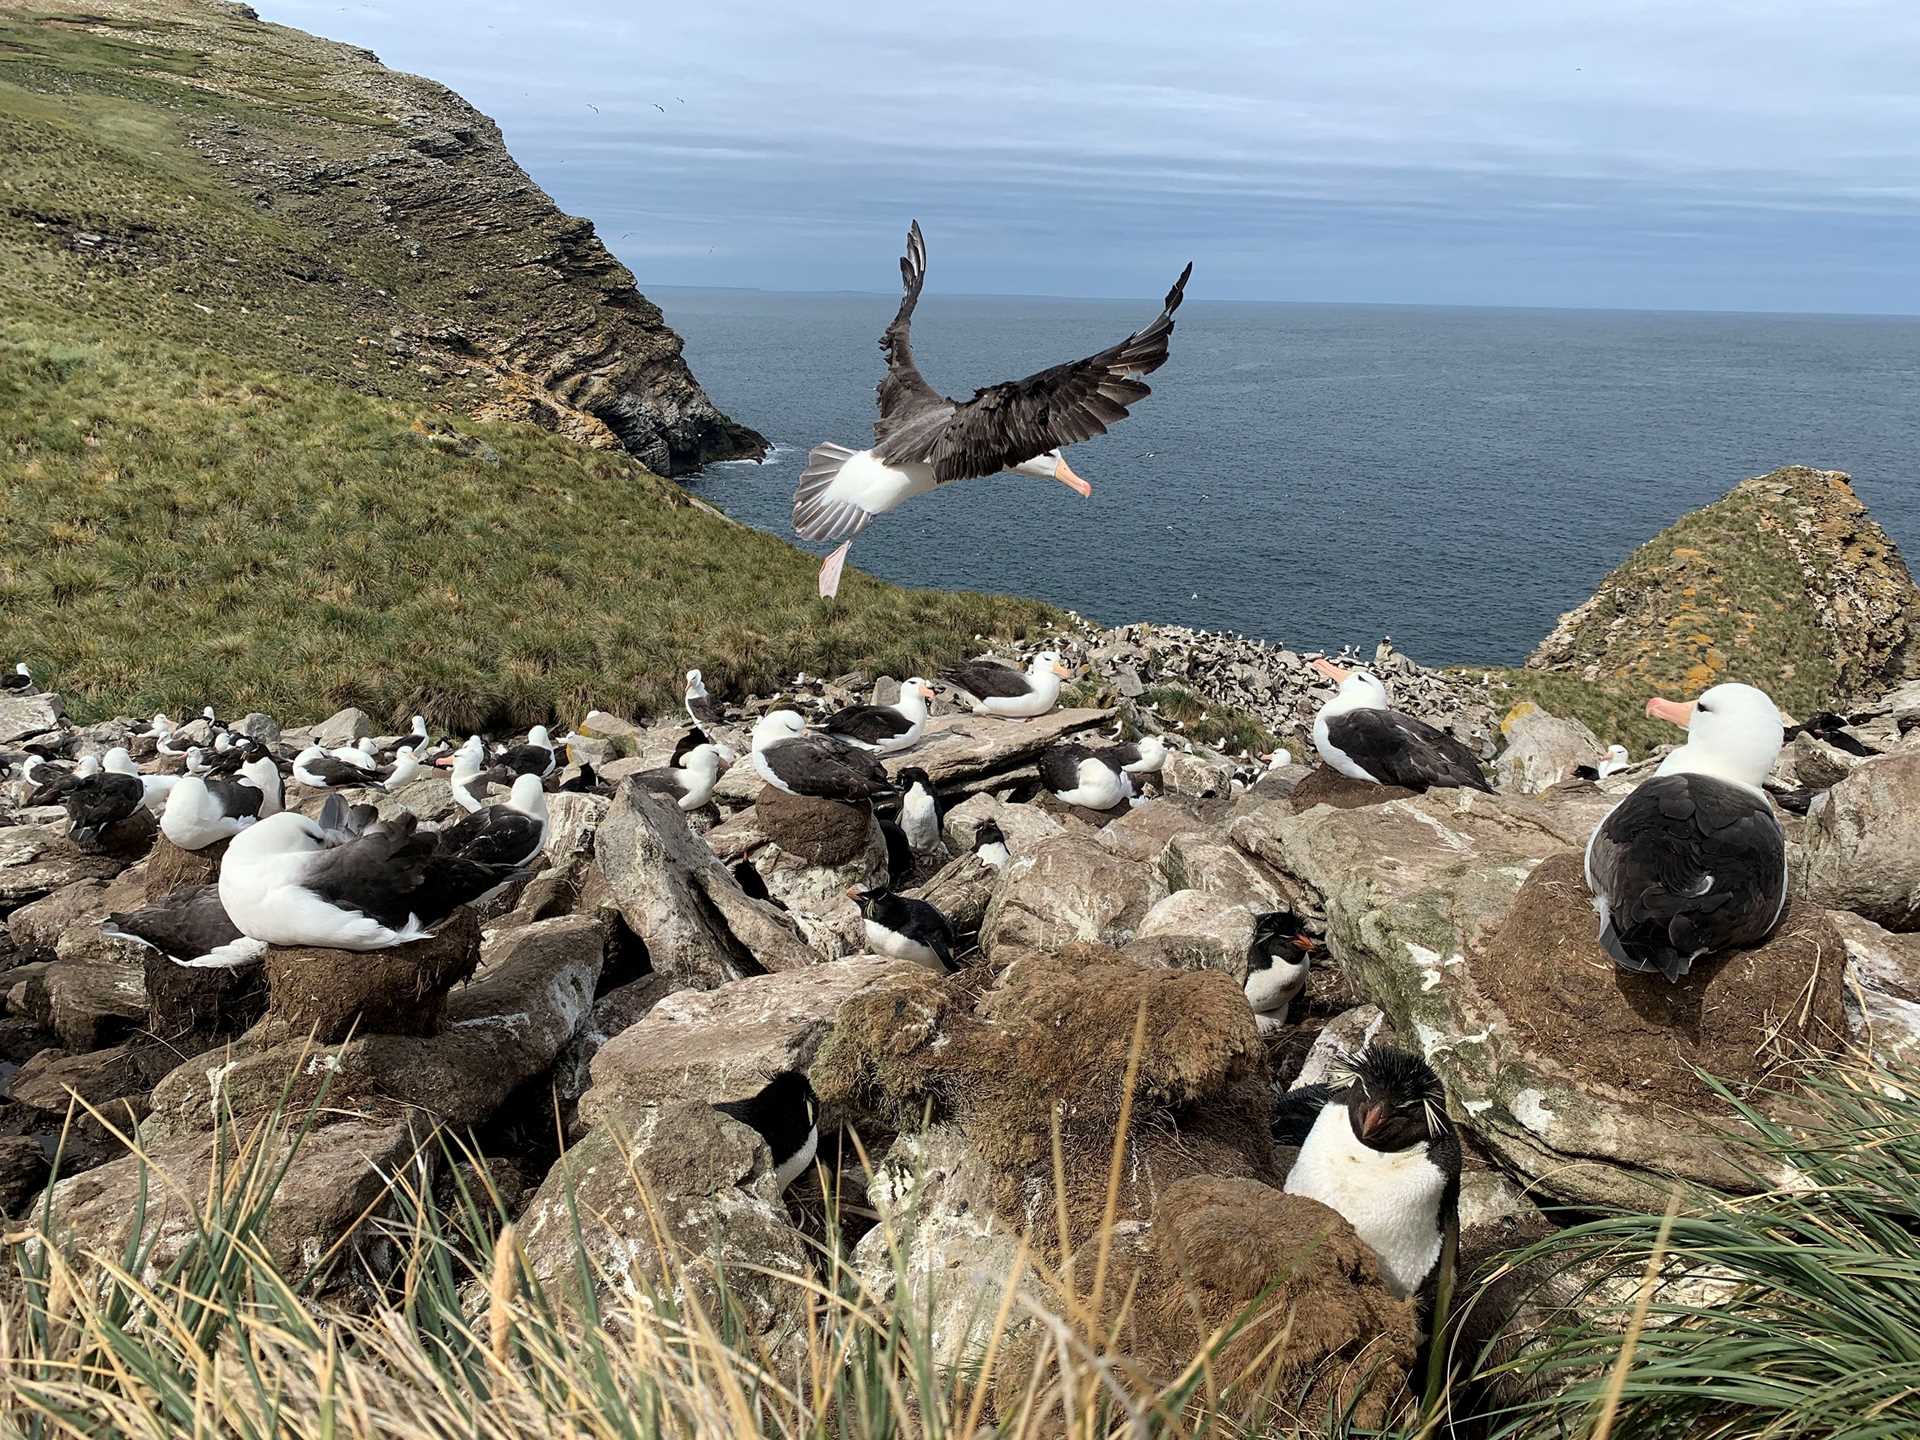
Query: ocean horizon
1323	473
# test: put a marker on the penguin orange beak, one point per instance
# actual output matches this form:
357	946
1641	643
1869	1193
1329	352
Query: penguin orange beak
1671	710
1332	671
1063	472
1371	1119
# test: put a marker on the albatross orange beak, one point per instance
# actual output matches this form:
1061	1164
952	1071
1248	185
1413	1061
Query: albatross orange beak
1063	472
1332	671
1062	671
926	692
1671	710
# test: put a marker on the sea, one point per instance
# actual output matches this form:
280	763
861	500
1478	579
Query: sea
1325	475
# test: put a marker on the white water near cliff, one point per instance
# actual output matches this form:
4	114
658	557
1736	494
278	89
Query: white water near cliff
1323	474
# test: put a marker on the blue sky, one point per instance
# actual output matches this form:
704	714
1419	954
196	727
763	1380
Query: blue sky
1704	155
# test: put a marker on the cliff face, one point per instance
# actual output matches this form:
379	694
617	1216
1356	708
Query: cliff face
1786	582
295	202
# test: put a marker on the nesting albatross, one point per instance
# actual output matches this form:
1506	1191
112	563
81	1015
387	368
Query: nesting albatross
1360	736
924	439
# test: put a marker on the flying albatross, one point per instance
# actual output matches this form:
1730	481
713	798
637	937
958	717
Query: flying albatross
924	439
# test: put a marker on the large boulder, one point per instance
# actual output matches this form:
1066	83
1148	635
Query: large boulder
505	1028
672	1202
1024	827
1883	988
700	928
1191	930
35	861
95	991
342	728
1207	863
331	1185
1071	888
723	1044
619	1009
1863	843
1542	749
399	991
23	716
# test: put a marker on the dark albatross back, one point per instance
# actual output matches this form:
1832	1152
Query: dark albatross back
988	680
1684	866
1397	749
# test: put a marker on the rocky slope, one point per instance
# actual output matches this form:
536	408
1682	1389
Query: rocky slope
213	178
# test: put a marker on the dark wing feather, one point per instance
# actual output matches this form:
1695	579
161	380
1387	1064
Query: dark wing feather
526	760
871	723
821	765
1687	865
376	873
904	389
1295	1112
184	925
1397	749
99	801
236	797
1006	424
497	835
987	680
689	742
1060	766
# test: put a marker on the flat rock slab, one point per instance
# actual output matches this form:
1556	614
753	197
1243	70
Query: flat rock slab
22	716
402	991
723	1044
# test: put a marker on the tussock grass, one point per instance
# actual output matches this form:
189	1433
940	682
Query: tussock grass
1793	1312
1225	727
178	529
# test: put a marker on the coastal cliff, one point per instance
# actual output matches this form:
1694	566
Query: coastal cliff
190	170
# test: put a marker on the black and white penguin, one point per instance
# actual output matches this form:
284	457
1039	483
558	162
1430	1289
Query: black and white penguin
1277	966
990	845
1359	735
792	758
1694	861
906	929
884	729
919	811
1083	777
1382	1153
786	1114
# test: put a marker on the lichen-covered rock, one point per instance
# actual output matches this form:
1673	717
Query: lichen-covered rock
685	1173
23	716
401	991
618	1010
1863	843
1069	889
1542	749
1208	864
1883	988
95	991
723	1044
700	928
1190	930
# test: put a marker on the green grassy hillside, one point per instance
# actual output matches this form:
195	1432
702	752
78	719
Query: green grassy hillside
233	471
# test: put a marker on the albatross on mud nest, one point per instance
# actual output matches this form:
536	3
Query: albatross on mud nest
924	439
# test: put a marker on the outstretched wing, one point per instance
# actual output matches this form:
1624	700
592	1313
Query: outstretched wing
1012	422
904	390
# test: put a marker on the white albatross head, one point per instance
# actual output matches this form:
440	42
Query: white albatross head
1733	733
1048	662
1053	466
529	797
776	726
696	687
1359	689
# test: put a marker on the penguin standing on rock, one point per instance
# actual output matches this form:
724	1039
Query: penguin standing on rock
990	845
1381	1151
1277	965
906	929
919	811
786	1114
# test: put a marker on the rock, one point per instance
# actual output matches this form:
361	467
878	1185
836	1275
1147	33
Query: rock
505	1028
937	1231
1023	826
1324	1330
95	991
24	716
1862	839
39	925
429	796
402	991
1142	832
572	820
723	1044
1348	1033
1192	931
23	1171
1542	749
1203	862
1071	888
1812	763
330	1184
342	728
194	1007
51	865
961	890
263	728
1883	988
1589	1069
840	847
614	1012
1327	786
1201	776
624	733
700	928
708	1183
52	1079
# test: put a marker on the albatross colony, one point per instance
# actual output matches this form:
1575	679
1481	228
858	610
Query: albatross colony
923	439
